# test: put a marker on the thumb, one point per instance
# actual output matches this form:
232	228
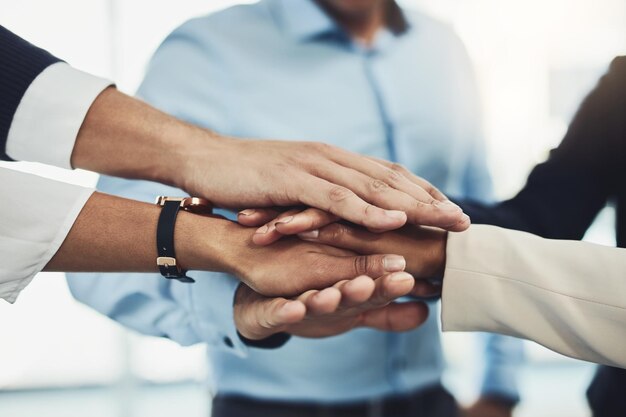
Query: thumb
258	317
323	270
376	265
337	268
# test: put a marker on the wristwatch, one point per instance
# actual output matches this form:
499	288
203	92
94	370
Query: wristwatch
166	260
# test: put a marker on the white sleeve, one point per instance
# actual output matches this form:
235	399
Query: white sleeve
566	295
50	114
35	216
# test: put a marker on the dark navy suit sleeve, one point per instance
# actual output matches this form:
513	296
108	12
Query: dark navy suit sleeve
20	63
564	194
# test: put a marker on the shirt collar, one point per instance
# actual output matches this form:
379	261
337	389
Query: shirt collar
305	20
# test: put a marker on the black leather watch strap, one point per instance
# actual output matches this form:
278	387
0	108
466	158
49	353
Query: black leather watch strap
165	243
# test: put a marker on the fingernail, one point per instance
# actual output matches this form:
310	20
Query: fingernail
262	230
311	234
395	214
401	277
285	220
447	206
393	263
247	212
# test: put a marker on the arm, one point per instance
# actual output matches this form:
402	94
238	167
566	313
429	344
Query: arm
564	194
27	243
568	296
54	114
124	137
159	307
126	241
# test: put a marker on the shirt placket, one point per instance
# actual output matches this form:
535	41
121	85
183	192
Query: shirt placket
395	359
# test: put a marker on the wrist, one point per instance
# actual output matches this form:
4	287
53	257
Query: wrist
206	243
439	262
431	250
190	155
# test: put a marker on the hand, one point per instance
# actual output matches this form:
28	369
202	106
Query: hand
423	248
124	137
287	268
360	302
277	224
486	407
379	195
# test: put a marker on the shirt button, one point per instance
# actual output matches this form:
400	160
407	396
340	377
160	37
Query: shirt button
228	342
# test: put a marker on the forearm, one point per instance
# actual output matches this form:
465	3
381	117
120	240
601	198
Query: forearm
113	234
568	296
124	137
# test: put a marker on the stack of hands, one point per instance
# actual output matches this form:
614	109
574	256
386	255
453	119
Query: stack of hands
314	272
318	272
380	267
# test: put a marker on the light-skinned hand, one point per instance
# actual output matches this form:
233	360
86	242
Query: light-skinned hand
360	302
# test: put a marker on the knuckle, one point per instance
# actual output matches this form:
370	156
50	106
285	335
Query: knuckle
393	176
398	168
361	265
429	188
418	213
424	204
367	210
338	194
337	232
320	147
378	186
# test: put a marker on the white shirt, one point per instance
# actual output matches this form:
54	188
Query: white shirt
36	213
569	296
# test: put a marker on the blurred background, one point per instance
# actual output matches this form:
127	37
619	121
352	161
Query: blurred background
535	61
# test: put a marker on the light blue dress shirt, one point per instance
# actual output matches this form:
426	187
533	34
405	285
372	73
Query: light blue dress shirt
282	69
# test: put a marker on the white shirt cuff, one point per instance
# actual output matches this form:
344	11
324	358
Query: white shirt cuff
49	116
35	217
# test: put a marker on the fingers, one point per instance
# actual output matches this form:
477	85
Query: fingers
258	317
325	269
276	225
321	302
356	291
420	207
392	286
419	181
305	220
345	203
347	267
427	205
267	233
256	217
396	317
424	248
346	237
